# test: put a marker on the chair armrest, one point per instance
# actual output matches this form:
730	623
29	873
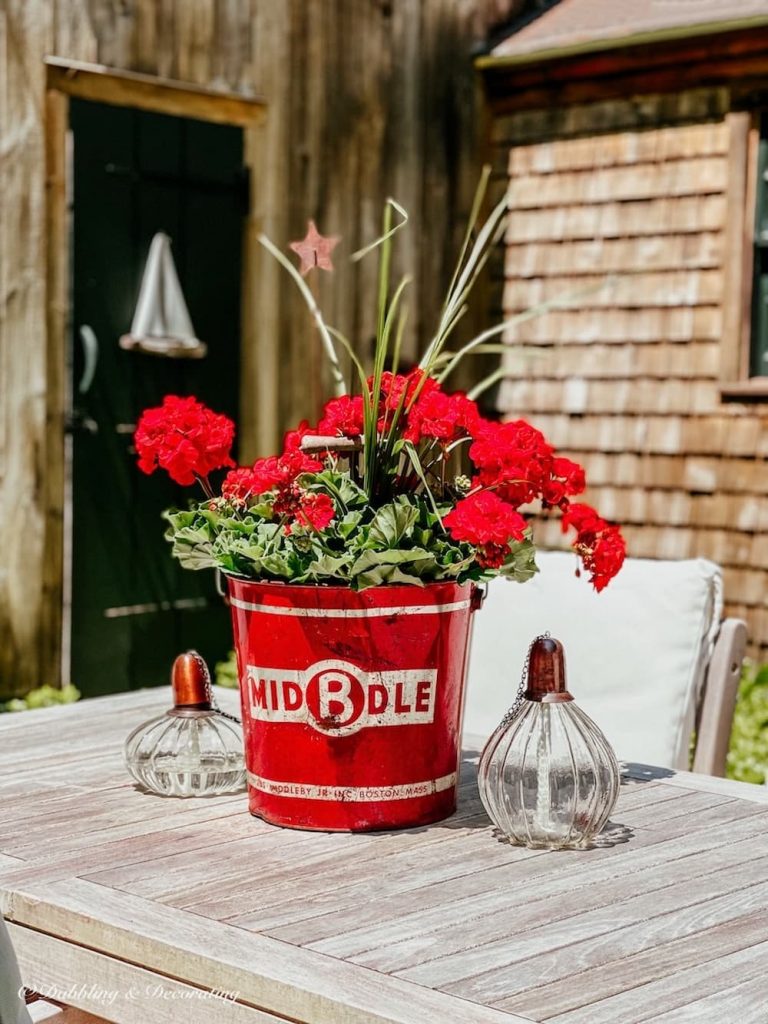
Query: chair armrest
720	690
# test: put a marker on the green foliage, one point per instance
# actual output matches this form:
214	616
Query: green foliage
748	754
399	542
225	672
43	697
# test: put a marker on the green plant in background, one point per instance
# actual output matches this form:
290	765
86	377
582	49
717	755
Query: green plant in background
225	672
42	697
748	754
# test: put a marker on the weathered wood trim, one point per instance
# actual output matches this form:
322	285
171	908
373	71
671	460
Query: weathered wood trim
300	984
754	389
146	92
667	66
637	58
599	45
737	246
627	114
126	992
267	343
56	313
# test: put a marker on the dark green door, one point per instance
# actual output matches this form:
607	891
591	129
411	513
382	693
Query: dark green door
135	173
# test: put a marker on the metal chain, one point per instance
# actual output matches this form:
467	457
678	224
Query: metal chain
510	714
518	701
209	690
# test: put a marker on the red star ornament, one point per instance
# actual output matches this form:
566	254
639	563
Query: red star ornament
315	249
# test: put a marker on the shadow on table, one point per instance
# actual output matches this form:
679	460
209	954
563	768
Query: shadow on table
632	772
139	787
471	814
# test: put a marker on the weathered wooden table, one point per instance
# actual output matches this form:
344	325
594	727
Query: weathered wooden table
136	907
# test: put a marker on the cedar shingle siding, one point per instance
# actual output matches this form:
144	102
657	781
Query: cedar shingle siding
626	379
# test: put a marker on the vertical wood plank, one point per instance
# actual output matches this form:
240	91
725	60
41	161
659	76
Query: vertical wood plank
365	99
738	237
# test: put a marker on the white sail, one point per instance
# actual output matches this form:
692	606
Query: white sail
161	323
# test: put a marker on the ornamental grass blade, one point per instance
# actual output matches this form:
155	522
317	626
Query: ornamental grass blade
339	384
388	233
518	318
415	461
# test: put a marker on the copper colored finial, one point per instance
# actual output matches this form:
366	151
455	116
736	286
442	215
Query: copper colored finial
191	682
546	672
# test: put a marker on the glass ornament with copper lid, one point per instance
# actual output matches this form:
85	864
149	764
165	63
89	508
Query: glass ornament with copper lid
193	749
548	777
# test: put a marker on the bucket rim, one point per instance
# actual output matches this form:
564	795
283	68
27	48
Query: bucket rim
316	598
331	588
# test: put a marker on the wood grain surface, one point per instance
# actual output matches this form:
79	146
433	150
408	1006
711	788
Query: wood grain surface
161	903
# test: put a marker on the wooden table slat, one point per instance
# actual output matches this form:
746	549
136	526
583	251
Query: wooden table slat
397	947
435	960
121	991
494	986
663	920
744	1004
279	978
673	991
507	882
353	906
543	999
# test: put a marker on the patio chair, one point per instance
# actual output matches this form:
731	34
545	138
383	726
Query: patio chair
13	1009
649	658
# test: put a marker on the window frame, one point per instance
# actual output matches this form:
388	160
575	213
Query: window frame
738	259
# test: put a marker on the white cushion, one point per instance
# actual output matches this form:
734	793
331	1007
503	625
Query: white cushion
636	654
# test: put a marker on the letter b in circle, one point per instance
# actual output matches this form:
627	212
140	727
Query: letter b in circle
335	698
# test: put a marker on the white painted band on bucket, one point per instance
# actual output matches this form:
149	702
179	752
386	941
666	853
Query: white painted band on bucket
353	794
351	613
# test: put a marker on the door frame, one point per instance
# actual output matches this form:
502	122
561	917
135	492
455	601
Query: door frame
101	84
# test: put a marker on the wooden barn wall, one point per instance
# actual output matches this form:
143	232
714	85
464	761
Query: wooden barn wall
630	195
366	98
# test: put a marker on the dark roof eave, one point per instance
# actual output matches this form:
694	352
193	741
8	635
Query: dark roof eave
492	62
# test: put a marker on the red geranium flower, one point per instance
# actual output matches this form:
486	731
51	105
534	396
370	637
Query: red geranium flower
567	479
185	438
599	543
315	510
492	556
488	523
292	440
273	472
238	485
441	416
394	384
514	458
268	474
342	416
483	518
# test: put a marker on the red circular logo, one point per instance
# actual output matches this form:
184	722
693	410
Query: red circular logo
335	697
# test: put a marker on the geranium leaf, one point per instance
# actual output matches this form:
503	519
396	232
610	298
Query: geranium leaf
520	564
392	523
418	559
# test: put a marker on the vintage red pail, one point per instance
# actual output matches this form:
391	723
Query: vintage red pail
352	702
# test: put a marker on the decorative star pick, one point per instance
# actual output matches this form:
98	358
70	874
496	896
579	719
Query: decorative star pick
315	249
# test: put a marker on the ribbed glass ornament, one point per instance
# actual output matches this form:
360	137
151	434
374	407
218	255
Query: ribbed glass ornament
548	777
192	749
192	753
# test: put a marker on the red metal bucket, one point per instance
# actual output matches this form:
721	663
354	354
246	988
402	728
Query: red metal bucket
352	702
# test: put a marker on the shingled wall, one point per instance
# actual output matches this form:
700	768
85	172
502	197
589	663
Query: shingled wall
622	205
